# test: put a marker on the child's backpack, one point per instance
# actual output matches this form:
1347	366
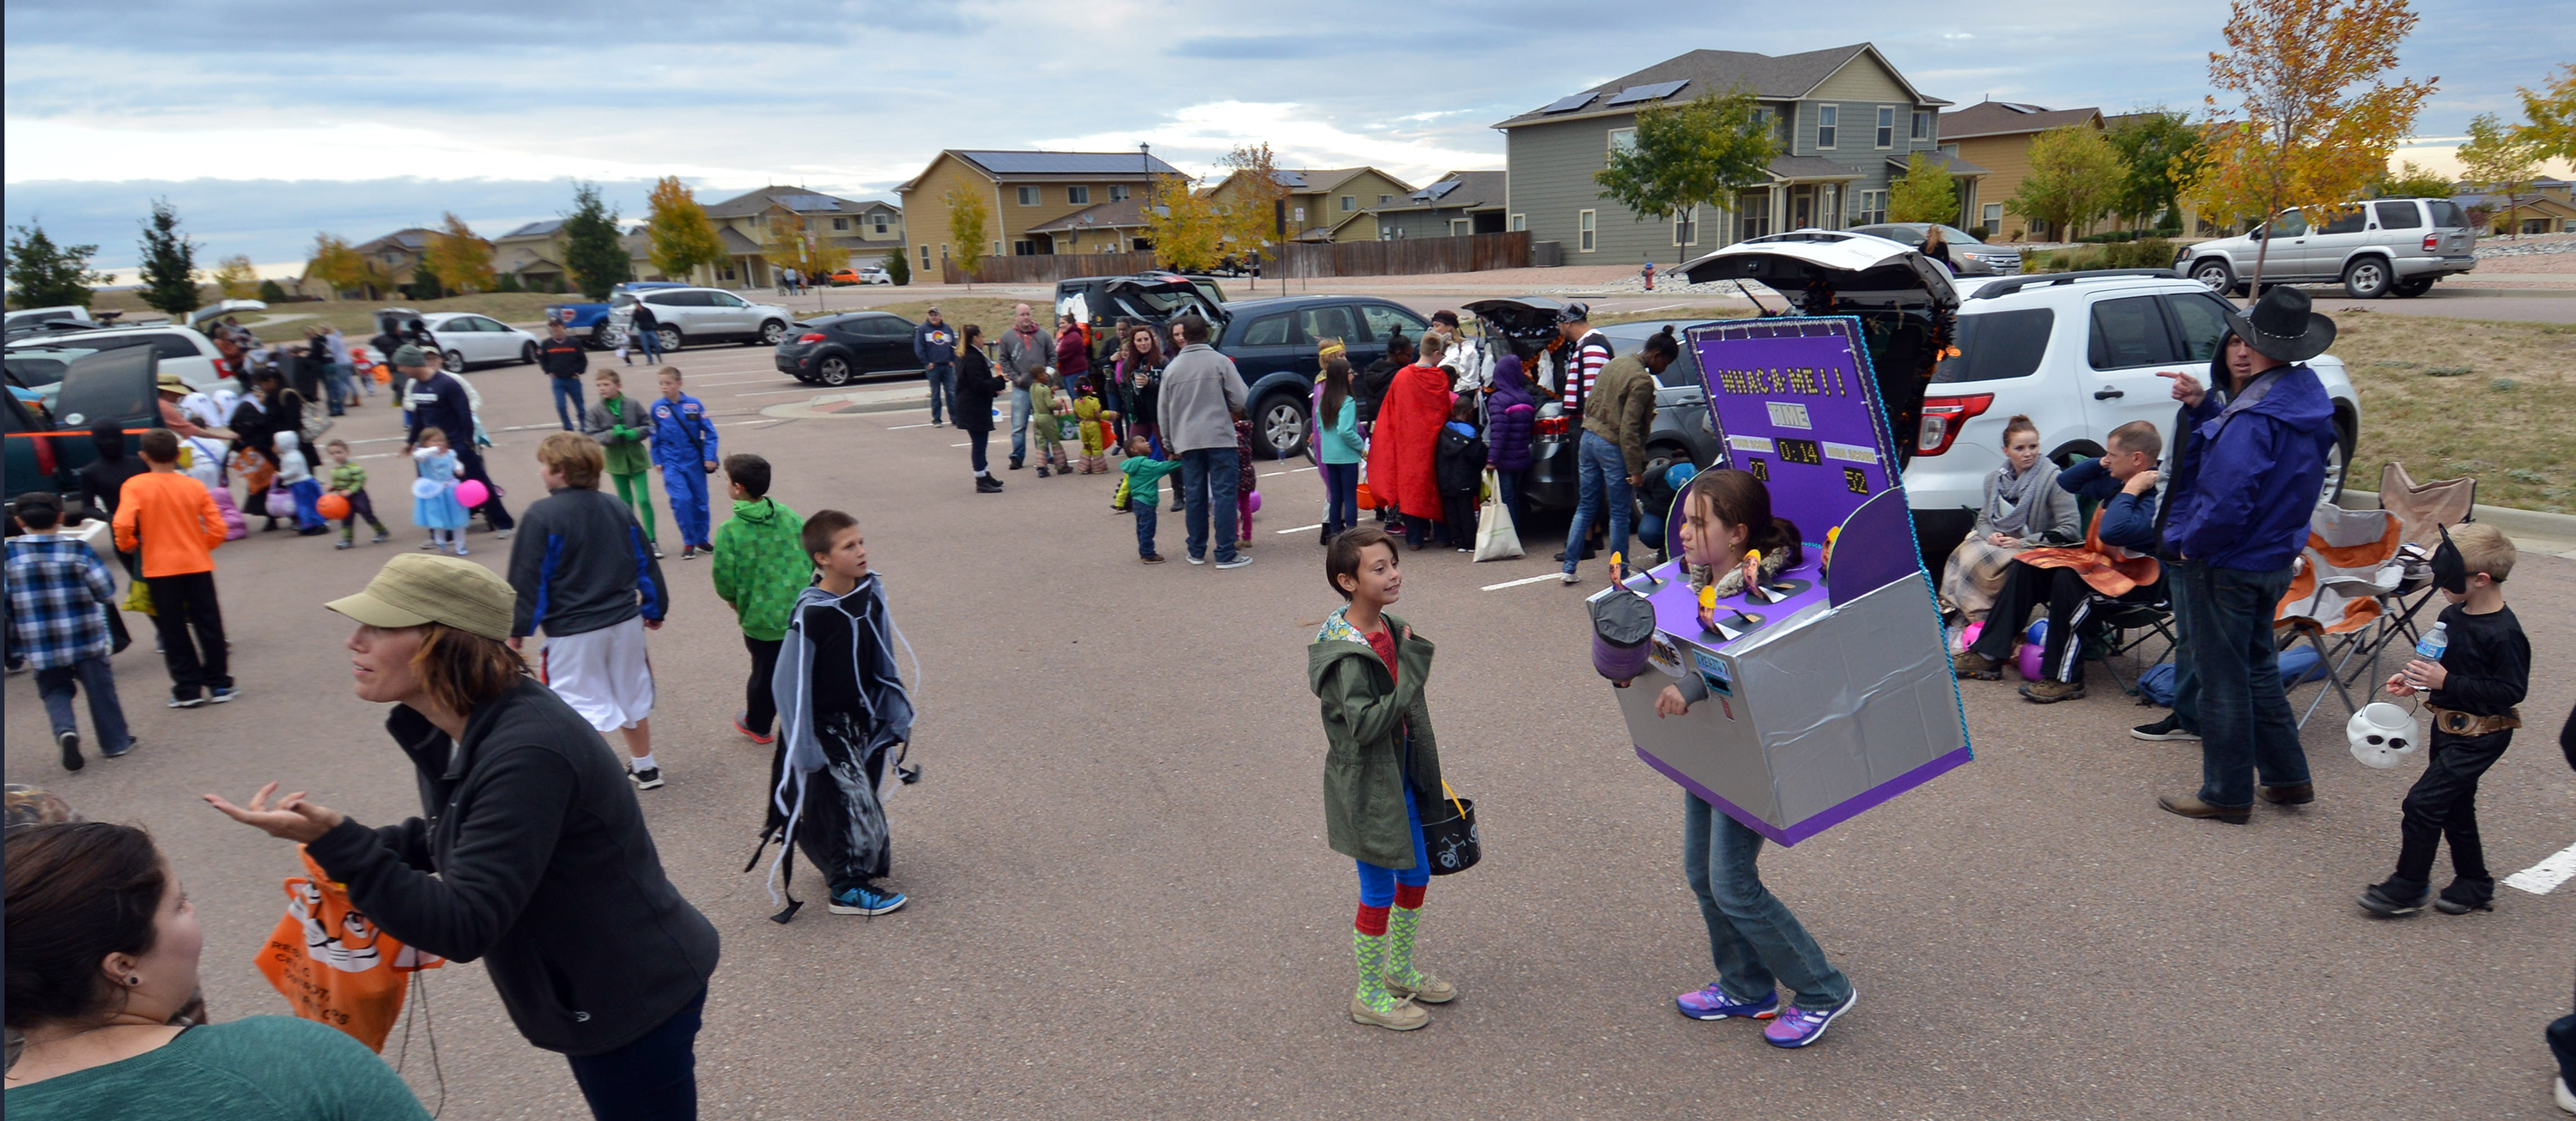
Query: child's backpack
2156	686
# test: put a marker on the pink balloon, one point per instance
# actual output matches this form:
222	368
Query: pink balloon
472	493
2029	661
1256	502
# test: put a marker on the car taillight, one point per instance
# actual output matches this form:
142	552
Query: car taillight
1555	426
810	337
2432	242
1944	416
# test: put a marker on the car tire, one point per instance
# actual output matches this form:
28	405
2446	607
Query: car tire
2409	289
833	371
771	331
1280	425
2366	278
670	337
2215	275
527	354
453	362
2338	466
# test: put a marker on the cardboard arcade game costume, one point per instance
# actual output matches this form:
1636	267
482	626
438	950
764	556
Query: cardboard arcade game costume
1829	687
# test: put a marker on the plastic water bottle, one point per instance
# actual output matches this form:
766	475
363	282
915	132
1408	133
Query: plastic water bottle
2434	642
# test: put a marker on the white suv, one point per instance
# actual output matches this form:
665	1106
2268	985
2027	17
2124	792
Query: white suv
2375	248
179	350
687	315
2080	354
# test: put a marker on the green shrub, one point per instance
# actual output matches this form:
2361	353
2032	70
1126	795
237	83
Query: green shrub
509	282
270	293
900	268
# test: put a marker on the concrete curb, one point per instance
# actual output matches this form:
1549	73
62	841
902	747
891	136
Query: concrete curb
2531	530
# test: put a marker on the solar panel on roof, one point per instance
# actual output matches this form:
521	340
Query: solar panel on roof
1634	94
1061	163
809	202
1569	103
1434	192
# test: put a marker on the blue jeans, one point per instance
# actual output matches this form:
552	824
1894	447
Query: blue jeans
1207	479
1145	516
95	677
1757	943
2246	730
1377	884
942	377
1019	426
567	402
1604	478
652	1079
1509	484
338	389
1341	497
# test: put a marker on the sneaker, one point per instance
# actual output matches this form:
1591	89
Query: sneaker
1238	562
1968	664
866	901
2388	902
222	696
1043	472
503	535
656	547
2051	692
430	545
1198	560
1712	1003
939	424
460	551
986	484
380	538
2566	1097
345	543
1015	465
1152	558
1568	578
130	741
2169	728
2464	896
743	725
1799	1027
187	702
69	741
650	778
688	552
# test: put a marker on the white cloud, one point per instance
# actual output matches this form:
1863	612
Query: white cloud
1194	138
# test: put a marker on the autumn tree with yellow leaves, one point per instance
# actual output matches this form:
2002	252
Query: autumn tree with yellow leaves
460	258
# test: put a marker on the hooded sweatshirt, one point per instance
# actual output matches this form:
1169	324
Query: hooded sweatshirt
761	566
2247	470
1511	415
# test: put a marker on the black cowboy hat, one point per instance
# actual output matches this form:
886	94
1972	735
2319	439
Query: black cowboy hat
2282	326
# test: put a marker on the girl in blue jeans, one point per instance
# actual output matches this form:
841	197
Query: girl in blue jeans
1339	449
1756	942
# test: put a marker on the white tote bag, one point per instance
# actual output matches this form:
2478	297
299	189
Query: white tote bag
1495	537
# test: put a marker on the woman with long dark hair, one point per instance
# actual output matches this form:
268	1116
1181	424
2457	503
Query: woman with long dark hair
1140	378
973	406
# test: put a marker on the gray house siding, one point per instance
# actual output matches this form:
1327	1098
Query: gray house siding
1551	168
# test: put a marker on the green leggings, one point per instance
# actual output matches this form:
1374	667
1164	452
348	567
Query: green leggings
631	489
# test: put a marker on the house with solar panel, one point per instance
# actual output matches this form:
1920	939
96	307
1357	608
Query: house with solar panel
868	231
1325	203
1846	120
1036	203
1459	203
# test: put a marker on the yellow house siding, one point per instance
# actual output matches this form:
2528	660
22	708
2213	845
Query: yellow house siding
2007	162
925	207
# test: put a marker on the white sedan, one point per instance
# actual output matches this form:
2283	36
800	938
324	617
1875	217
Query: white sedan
466	339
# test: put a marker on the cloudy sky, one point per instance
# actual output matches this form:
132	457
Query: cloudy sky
264	121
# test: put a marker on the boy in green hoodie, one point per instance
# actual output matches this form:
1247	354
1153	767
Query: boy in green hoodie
621	425
760	567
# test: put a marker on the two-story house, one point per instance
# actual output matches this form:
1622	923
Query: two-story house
1461	202
1324	203
534	253
865	232
1845	118
396	254
1996	135
1026	196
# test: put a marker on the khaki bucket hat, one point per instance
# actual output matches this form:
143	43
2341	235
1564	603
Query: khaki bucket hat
414	590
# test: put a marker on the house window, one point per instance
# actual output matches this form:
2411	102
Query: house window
1753	214
1621	140
1583	231
1024	248
997	248
1686	226
1460	227
1350	203
1078	196
1386	200
1117	192
1922	124
1873	208
725	273
1520	223
1993	218
1887	126
1028	196
840	223
925	256
943	251
881	223
1828	117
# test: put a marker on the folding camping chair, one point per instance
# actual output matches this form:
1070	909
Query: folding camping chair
2337	601
2423	510
2110	621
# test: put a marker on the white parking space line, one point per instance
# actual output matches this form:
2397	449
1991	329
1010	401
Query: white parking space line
1300	529
2544	877
1517	583
1290	471
961	445
901	427
809	391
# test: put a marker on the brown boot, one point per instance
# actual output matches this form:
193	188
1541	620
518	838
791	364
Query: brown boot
2295	794
2192	807
1969	663
2051	692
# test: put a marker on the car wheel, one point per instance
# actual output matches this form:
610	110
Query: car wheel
2215	275
771	331
670	337
2338	469
1283	425
527	354
2366	278
834	370
2409	289
455	363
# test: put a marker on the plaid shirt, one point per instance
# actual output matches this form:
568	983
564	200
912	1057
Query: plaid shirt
56	587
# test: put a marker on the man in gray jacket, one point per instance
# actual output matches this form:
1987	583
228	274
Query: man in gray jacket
1025	350
1202	394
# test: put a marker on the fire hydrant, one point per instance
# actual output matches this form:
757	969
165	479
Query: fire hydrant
1650	276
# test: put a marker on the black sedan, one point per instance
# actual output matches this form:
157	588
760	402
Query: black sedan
835	350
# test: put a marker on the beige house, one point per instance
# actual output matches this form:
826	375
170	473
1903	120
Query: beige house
396	254
1108	227
864	232
1325	204
1996	136
1028	198
534	253
2543	206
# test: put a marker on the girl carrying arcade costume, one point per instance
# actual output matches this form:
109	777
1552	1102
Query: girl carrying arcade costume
1368	668
844	716
2024	508
1757	944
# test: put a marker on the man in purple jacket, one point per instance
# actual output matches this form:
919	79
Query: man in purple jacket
2249	463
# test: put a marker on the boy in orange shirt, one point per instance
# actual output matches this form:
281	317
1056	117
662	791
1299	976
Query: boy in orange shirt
172	519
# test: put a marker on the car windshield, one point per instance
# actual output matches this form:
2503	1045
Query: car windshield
37	372
621	299
1956	236
1997	345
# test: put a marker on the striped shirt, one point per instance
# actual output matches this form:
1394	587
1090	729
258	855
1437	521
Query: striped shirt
1591	353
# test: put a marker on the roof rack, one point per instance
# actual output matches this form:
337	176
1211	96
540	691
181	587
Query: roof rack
2010	285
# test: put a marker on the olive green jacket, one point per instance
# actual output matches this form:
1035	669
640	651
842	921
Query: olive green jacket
1367	713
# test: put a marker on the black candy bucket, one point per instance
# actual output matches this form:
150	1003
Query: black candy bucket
1449	834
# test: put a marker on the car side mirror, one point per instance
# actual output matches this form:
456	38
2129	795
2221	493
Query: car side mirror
2256	235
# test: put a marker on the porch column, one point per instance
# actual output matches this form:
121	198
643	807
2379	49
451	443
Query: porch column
1778	221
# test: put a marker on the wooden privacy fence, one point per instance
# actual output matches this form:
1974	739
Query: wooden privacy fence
1406	257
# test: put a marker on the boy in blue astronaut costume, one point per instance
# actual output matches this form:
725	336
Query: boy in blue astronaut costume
684	447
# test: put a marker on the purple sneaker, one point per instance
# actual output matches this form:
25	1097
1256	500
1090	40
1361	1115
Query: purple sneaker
1712	1003
1799	1027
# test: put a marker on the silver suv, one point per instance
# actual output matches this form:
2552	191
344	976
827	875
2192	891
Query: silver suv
2378	247
699	315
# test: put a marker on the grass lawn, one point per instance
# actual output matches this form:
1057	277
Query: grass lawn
2453	397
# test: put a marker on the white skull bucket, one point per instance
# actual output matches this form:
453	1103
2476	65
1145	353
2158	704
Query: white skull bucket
2381	734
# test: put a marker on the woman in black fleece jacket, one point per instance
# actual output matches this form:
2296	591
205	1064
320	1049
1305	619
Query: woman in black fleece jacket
533	855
